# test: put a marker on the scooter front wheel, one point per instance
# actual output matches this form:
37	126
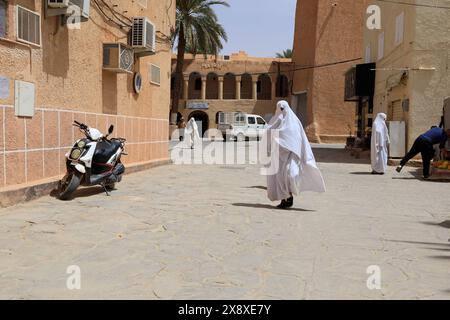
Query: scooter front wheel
68	185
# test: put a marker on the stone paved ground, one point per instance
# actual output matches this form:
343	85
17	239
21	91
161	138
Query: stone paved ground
204	232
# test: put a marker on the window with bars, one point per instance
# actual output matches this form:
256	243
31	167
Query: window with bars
155	74
28	26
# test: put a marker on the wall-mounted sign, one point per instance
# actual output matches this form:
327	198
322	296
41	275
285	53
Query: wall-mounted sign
197	105
212	65
137	81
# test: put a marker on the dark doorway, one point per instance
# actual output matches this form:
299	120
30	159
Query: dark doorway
202	121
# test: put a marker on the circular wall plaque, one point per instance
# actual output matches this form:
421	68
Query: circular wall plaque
137	81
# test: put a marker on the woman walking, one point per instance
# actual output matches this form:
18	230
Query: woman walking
191	133
380	143
297	169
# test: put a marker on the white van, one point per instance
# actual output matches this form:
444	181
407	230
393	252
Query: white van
241	126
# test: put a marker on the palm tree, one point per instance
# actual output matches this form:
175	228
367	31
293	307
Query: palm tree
198	29
285	54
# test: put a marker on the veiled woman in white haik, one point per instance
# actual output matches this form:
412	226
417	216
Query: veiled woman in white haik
191	133
297	170
380	143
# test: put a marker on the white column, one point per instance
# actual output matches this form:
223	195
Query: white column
220	87
255	89
186	89
203	88
238	88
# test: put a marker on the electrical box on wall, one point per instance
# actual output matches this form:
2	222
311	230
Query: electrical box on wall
24	98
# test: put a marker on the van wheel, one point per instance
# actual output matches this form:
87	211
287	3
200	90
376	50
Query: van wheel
240	137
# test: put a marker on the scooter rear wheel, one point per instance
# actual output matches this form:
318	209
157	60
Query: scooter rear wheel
68	185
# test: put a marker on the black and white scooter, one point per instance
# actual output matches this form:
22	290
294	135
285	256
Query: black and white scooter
94	160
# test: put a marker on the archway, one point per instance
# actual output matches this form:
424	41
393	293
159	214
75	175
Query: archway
202	120
246	87
264	87
229	86
195	86
212	87
282	86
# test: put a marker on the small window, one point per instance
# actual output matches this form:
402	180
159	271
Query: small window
251	120
381	46
155	74
399	28
261	121
2	19
28	24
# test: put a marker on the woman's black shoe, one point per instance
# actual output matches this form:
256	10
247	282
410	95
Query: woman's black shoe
282	205
290	202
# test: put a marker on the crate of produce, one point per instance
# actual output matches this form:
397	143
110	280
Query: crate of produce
441	169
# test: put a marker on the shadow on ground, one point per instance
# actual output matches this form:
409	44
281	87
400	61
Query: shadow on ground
444	224
366	173
82	192
257	187
266	206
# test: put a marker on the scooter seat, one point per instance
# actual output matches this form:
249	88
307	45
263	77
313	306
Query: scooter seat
105	150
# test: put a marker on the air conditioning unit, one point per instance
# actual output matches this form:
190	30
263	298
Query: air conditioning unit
118	57
69	8
58	3
84	5
143	36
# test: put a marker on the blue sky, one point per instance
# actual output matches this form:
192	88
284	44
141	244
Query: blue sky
260	27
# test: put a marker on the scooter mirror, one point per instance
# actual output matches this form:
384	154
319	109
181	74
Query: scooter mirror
111	129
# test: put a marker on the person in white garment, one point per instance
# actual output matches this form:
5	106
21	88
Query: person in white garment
297	169
379	146
191	133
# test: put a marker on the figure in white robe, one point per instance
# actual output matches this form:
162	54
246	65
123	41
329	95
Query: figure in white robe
297	170
379	145
191	134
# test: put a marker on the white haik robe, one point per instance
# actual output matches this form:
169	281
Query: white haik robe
191	134
380	142
298	170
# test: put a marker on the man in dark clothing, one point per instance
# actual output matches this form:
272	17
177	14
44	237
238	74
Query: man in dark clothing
424	145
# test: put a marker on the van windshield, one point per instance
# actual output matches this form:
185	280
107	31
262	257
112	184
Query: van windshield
261	121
